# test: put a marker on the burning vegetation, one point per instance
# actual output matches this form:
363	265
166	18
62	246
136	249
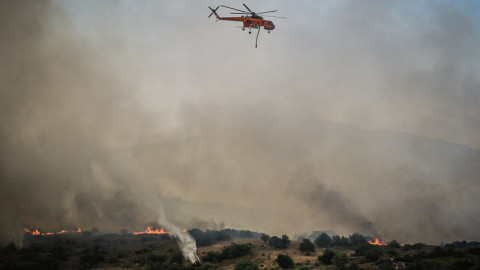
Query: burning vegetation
156	248
37	232
377	242
152	230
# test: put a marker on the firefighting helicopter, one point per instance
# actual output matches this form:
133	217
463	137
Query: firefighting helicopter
250	19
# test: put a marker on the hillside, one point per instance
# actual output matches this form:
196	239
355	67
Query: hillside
112	251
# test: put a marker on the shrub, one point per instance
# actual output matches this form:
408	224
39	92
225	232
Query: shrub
235	251
246	265
327	256
340	260
393	244
285	262
212	256
157	258
231	252
361	250
373	254
176	257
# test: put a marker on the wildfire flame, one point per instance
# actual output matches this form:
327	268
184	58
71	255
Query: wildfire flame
37	232
151	230
377	242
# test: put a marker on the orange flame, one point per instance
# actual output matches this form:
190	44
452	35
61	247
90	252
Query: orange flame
151	230
37	232
377	242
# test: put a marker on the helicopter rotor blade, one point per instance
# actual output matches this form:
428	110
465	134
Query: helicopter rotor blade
248	8
234	9
267	11
245	13
276	17
213	10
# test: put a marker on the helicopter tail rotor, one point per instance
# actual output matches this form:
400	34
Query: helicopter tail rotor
213	12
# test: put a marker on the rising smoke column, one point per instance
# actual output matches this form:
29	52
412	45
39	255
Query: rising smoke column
185	241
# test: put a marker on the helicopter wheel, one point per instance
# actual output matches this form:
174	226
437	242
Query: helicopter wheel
269	31
243	29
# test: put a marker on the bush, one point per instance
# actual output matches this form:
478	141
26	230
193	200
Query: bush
327	256
393	244
285	262
235	251
231	252
92	259
353	266
340	260
157	258
385	264
208	266
361	250
246	265
373	254
213	257
176	257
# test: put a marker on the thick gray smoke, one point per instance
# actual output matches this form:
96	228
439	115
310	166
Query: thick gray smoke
351	116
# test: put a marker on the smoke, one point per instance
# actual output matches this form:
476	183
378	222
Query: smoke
350	116
185	241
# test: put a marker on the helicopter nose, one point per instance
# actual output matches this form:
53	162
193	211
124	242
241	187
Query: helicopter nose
269	26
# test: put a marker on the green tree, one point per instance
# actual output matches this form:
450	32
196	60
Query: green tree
285	239
357	239
340	241
265	238
327	256
285	262
307	246
393	244
323	240
277	242
340	260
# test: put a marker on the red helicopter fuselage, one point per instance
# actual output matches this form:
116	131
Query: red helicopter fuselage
248	21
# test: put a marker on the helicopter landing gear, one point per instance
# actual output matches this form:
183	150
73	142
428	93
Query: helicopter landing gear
243	29
269	31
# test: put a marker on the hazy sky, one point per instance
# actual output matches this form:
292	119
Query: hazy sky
355	116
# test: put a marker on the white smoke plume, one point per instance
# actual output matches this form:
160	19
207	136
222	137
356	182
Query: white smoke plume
185	241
